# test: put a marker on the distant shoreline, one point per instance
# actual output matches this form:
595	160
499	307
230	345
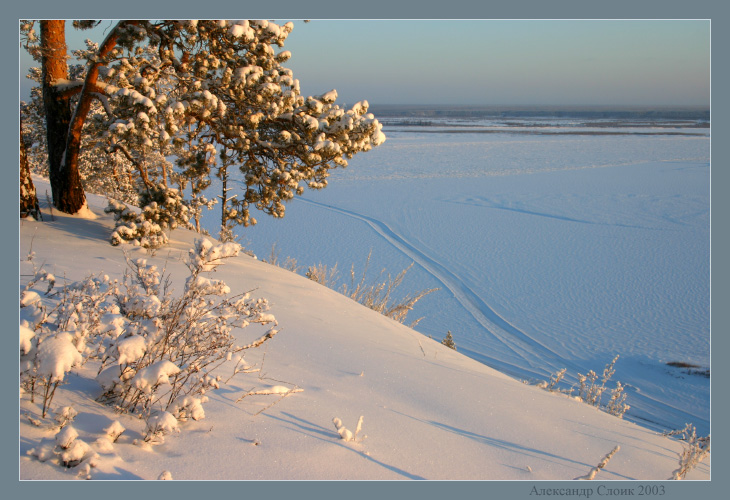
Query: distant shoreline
578	112
563	131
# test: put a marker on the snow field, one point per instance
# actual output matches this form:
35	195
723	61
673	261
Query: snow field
550	251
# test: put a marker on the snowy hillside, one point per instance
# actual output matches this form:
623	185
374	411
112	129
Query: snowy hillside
428	412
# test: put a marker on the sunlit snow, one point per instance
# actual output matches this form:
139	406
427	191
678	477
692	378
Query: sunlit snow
550	252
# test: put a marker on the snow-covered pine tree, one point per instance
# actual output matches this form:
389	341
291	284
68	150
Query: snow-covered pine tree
199	89
448	341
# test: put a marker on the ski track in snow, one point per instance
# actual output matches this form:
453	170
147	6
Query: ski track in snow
525	348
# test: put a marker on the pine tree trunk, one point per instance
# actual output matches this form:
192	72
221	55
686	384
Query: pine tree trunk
28	199
68	194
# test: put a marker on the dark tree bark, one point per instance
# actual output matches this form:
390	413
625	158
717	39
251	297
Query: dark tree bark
66	189
28	199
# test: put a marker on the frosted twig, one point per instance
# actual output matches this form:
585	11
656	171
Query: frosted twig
358	428
421	346
49	201
601	465
243	369
263	358
31	253
291	391
272	391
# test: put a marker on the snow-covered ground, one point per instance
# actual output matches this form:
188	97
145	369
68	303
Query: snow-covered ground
429	412
554	245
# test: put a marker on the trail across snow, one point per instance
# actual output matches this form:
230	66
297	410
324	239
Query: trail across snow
524	349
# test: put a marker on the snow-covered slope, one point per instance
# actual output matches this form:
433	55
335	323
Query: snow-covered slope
429	412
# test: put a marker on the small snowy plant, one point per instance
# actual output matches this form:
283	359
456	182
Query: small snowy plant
65	416
590	391
345	433
76	452
132	227
696	449
105	443
159	425
56	357
66	449
323	275
616	405
555	379
114	431
448	341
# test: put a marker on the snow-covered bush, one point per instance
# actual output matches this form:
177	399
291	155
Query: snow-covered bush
54	336
160	425
32	310
590	391
66	436
695	450
73	450
157	352
616	405
290	263
377	296
164	360
323	274
26	339
56	356
105	443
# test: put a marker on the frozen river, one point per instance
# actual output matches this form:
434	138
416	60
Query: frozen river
554	244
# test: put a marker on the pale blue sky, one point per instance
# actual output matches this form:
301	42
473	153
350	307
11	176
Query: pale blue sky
506	62
622	63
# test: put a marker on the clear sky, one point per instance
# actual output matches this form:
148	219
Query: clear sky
500	62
